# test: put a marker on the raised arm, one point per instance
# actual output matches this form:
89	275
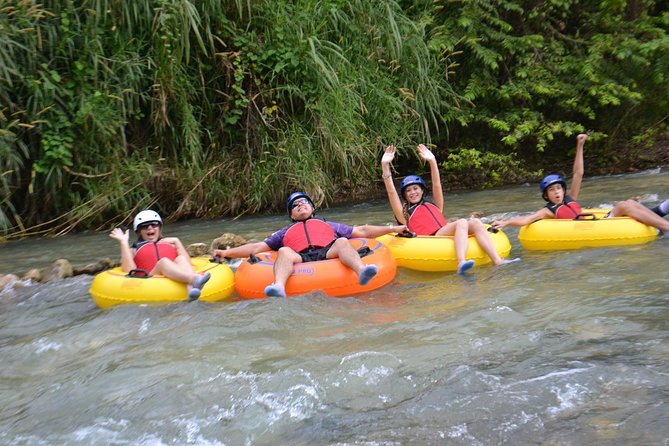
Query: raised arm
393	197
242	251
437	193
127	255
578	169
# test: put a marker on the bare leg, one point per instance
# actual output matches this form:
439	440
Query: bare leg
173	270
283	266
184	263
637	211
347	255
459	230
350	257
485	242
461	239
181	270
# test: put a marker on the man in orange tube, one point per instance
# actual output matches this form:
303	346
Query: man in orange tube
309	238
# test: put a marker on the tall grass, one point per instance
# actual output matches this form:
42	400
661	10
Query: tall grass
201	108
208	108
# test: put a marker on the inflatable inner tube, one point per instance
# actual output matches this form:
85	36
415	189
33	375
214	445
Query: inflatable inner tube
591	230
114	287
330	276
437	252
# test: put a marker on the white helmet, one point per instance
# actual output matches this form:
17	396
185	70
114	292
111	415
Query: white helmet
145	217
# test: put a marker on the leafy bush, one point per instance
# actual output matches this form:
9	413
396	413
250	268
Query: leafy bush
473	169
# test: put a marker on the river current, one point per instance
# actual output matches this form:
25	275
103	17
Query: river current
561	348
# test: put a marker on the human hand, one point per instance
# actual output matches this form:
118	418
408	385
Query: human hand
119	235
388	155
498	224
581	138
400	229
425	153
171	240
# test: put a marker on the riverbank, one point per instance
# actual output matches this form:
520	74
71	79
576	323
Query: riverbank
627	160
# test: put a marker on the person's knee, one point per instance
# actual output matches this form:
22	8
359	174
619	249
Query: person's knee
623	207
164	261
341	241
475	224
285	251
341	244
288	254
461	224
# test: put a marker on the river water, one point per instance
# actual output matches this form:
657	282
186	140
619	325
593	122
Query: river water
562	348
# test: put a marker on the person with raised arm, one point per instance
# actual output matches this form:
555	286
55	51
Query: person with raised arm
307	239
425	217
156	254
561	202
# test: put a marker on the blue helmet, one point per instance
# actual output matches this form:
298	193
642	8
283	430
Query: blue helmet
550	180
294	196
409	180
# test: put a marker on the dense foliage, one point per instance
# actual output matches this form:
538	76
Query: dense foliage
207	108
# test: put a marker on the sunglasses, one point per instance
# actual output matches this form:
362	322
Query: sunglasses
151	224
296	203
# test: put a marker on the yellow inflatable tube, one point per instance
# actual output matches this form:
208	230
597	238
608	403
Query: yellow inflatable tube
114	287
593	232
437	252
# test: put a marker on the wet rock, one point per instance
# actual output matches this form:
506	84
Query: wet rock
96	267
197	249
34	275
228	240
8	281
60	269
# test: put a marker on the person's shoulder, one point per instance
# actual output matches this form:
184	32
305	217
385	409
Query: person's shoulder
337	223
545	212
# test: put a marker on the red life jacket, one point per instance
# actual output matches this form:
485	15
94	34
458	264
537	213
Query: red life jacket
426	219
148	254
308	234
567	210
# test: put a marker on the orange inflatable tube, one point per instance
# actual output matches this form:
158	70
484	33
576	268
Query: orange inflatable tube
330	276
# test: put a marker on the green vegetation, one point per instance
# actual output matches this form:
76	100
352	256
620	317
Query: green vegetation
208	108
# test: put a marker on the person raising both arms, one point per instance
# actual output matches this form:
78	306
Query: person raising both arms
561	203
308	239
426	218
156	254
